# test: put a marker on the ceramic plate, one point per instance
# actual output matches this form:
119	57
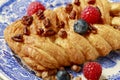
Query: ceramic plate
11	66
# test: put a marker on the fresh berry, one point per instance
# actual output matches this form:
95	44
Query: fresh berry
91	14
63	75
92	70
81	26
34	7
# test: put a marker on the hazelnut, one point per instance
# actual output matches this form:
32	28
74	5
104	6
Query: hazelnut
76	68
78	78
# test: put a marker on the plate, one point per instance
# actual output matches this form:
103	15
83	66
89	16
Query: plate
11	67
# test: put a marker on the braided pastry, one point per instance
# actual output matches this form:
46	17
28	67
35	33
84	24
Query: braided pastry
46	40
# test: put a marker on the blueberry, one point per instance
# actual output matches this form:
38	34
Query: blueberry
81	26
63	75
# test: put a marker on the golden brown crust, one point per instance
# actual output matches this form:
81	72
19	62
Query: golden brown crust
104	7
100	44
47	50
110	34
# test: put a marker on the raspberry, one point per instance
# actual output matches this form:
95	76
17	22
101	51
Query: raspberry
34	7
91	14
92	70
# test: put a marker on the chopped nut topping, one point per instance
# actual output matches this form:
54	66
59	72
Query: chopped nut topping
49	75
18	38
45	74
117	27
40	31
62	33
27	20
78	78
91	1
26	31
40	14
69	8
61	25
46	23
76	68
93	29
72	14
49	32
77	2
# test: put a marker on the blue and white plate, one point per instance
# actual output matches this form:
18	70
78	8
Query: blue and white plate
13	69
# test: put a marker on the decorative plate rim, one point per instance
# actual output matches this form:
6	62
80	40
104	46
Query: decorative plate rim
7	61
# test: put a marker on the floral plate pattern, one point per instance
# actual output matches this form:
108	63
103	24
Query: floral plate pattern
11	66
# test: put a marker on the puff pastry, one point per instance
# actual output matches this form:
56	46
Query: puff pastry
59	45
